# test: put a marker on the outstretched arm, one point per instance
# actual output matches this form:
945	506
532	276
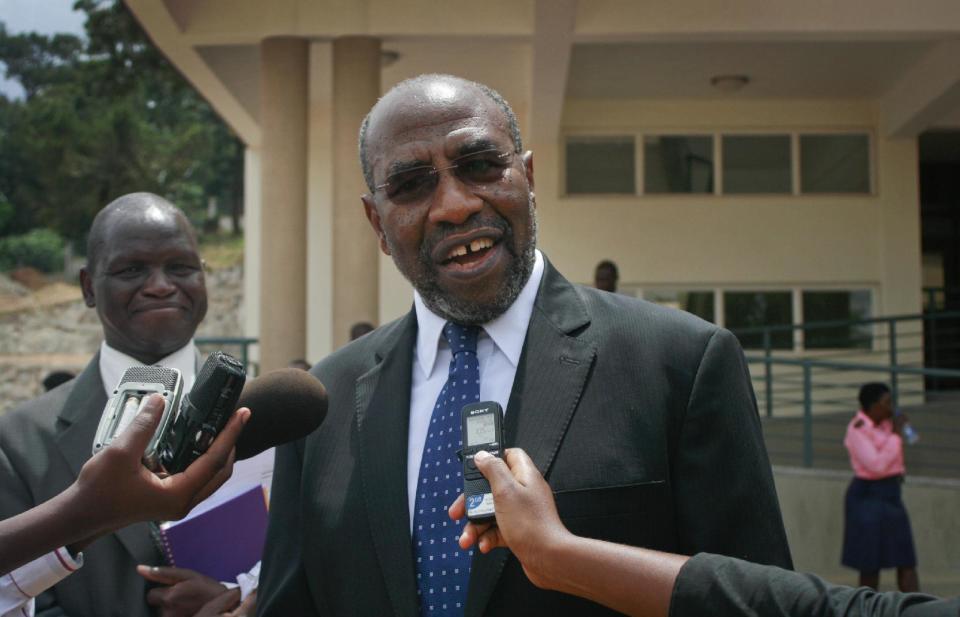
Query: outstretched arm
639	581
114	489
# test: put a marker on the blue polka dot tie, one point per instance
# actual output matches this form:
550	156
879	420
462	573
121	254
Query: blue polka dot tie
443	570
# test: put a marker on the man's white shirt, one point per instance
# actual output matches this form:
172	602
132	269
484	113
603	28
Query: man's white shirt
114	363
499	346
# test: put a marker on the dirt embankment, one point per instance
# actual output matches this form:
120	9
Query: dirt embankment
46	326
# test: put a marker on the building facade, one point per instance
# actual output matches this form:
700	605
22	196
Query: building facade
751	161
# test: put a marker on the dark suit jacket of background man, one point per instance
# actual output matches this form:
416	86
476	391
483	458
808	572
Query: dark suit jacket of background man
642	419
43	445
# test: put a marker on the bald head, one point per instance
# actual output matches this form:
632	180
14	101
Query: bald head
144	277
133	209
425	89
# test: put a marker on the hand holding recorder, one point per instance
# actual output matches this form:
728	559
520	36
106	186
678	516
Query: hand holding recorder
628	579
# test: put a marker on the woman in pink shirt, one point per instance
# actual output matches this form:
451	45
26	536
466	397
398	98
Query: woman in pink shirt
876	532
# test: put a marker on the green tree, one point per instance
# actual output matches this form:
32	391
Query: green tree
104	116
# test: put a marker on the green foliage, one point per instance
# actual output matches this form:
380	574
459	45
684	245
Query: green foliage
103	117
38	248
6	213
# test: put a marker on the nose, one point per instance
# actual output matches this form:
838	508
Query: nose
453	201
158	284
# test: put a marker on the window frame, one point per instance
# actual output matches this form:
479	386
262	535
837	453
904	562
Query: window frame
717	135
796	295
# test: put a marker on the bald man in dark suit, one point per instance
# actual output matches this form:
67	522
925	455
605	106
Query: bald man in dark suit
641	418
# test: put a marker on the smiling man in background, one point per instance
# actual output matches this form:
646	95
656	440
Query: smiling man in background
641	418
145	279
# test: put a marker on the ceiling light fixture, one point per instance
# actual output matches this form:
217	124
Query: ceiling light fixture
729	83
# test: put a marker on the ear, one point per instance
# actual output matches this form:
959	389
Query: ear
86	285
370	208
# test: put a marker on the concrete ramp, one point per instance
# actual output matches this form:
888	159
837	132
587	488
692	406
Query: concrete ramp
812	505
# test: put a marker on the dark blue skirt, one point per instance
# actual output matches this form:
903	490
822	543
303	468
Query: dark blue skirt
876	532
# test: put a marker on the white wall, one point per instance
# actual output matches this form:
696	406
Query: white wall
719	240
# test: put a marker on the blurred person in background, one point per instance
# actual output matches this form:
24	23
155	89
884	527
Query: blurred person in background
876	531
605	276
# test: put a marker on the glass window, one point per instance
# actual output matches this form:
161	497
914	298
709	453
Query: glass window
756	164
753	309
601	165
700	303
834	164
678	164
837	306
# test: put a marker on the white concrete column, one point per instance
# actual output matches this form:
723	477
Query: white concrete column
899	230
284	62
251	246
320	203
356	87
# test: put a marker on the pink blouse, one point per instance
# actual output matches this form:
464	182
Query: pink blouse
876	451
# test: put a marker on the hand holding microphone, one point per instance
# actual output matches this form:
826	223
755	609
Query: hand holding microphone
124	491
114	489
285	405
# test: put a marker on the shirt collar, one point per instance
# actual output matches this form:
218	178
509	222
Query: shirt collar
113	363
507	331
862	415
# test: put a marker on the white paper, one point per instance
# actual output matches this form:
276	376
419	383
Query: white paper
246	474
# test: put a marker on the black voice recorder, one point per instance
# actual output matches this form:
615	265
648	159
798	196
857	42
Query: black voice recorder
204	411
482	426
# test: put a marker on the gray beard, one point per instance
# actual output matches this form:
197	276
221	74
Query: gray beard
470	313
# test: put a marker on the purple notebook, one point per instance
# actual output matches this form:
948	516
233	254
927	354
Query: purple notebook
221	542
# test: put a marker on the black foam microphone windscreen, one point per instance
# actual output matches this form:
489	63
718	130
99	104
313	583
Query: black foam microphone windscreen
285	404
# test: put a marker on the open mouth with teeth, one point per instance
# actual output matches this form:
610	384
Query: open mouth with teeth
471	252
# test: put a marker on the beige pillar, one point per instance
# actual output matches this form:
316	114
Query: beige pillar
283	205
356	87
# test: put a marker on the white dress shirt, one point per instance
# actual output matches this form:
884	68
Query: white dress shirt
499	346
113	363
18	588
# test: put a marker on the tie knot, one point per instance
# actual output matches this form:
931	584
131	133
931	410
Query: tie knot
461	338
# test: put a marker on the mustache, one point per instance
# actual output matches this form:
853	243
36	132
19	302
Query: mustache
477	221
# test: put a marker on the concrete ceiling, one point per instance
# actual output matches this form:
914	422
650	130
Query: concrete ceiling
901	57
816	69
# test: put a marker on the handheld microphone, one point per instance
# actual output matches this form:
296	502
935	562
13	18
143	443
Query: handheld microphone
126	400
204	411
285	405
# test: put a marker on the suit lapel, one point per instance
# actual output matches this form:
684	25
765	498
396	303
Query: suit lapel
551	375
80	416
76	429
382	422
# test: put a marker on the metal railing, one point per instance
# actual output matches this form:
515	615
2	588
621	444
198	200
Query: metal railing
832	393
229	344
928	340
938	298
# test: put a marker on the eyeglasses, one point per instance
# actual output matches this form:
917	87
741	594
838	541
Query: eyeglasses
476	170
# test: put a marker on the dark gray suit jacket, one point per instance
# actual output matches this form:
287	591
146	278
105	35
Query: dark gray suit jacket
641	418
724	587
43	445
